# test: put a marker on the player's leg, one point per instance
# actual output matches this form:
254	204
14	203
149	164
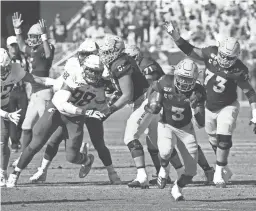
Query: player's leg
96	132
42	131
166	143
188	148
226	123
5	151
136	125
211	127
50	152
75	132
13	105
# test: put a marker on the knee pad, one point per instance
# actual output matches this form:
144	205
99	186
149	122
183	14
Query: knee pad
224	142
135	148
174	153
164	162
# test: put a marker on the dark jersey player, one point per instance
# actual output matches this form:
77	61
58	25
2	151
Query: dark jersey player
179	98
224	72
41	55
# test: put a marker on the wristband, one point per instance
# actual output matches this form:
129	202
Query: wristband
44	37
17	31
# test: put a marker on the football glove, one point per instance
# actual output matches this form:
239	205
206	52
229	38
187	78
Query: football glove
195	99
14	117
92	113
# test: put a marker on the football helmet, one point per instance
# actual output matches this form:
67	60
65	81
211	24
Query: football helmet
185	75
34	35
133	51
5	63
228	52
92	69
110	48
88	47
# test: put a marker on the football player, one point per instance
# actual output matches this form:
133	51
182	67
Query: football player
94	126
41	55
180	98
11	73
152	71
224	72
65	115
18	96
132	87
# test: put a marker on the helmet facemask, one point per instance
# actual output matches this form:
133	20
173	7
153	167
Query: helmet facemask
92	76
228	52
185	75
82	55
34	40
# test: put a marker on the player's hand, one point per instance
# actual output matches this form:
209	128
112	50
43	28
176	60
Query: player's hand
171	30
194	99
16	20
95	114
43	26
253	123
14	117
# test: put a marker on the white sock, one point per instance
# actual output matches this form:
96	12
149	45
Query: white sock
164	172
110	169
17	169
141	173
45	164
218	169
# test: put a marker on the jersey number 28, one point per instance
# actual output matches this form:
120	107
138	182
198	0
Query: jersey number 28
220	86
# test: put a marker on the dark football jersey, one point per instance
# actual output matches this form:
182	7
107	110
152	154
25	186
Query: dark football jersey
148	66
176	106
125	65
221	84
39	65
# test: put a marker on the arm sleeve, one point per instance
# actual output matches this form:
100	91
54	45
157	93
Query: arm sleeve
28	50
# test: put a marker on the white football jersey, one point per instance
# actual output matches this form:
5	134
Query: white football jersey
15	76
84	95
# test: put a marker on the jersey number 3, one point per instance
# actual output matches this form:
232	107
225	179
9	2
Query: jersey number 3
219	87
81	98
177	113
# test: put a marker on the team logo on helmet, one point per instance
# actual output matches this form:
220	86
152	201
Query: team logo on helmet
88	47
228	52
34	35
110	48
185	75
92	69
5	63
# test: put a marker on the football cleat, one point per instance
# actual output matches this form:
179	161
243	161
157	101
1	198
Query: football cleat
12	181
208	175
3	178
161	182
85	168
154	181
114	178
227	174
137	184
176	192
39	176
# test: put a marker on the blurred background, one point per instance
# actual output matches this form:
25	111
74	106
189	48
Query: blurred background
202	22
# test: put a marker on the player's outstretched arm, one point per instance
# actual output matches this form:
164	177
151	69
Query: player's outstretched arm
40	80
17	21
185	46
251	96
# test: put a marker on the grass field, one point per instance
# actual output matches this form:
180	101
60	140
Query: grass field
64	190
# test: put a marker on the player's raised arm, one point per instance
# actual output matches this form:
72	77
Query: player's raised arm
48	49
17	21
250	93
185	46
